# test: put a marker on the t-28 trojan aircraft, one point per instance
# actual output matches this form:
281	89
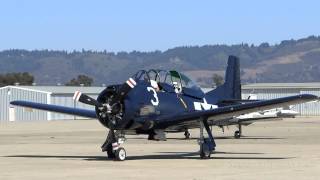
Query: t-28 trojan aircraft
156	102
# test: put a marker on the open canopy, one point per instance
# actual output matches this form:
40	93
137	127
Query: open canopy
168	78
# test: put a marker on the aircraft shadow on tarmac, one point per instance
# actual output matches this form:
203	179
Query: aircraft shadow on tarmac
230	137
161	155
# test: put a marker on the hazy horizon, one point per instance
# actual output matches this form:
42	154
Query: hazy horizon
101	50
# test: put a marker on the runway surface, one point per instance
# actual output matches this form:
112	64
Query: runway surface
288	149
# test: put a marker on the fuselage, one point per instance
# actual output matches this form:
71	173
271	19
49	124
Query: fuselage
148	104
144	105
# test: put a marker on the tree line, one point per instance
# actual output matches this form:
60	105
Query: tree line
27	79
24	78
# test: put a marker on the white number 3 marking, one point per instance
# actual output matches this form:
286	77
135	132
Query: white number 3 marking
156	101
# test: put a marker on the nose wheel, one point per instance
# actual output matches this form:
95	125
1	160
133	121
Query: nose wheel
120	154
112	146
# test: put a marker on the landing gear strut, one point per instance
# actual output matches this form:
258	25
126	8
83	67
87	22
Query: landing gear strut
238	134
207	145
112	146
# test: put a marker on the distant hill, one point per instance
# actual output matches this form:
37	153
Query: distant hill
289	61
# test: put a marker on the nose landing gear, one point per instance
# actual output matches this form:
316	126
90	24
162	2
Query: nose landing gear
112	146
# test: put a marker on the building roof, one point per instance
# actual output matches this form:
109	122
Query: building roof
25	89
315	85
60	89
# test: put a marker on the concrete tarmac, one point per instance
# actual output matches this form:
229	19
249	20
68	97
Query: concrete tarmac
288	149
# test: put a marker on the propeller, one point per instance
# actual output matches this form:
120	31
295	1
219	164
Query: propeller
112	108
113	105
124	90
79	96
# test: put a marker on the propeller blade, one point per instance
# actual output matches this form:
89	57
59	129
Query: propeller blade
124	90
113	105
78	96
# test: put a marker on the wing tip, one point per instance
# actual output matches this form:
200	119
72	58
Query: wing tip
15	102
309	96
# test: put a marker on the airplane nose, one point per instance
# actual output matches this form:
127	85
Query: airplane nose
288	113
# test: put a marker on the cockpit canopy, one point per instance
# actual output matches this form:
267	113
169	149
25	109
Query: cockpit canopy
171	81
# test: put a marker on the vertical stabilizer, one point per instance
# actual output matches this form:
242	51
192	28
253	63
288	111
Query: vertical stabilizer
231	89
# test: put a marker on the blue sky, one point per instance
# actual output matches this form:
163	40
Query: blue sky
148	25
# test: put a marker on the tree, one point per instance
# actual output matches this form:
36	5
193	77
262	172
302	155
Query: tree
217	79
80	80
24	78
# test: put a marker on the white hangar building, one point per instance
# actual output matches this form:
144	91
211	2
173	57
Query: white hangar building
277	90
57	95
62	95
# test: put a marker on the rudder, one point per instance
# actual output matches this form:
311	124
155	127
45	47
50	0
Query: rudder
231	89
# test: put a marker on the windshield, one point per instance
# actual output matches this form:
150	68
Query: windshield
188	83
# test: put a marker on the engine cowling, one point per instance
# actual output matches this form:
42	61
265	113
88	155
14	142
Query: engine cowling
111	114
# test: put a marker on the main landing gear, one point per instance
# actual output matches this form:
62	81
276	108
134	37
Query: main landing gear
207	145
115	139
238	134
112	146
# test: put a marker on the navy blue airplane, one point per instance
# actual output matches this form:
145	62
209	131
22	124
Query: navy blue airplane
156	102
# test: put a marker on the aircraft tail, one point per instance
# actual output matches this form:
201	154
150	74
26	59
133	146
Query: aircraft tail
231	89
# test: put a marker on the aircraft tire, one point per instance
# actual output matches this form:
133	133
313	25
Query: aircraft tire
120	154
204	151
237	134
187	135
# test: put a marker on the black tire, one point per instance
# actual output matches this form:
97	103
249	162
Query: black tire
204	151
151	136
121	154
237	134
187	135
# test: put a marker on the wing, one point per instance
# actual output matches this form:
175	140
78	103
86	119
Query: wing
223	122
55	108
192	118
245	121
250	118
